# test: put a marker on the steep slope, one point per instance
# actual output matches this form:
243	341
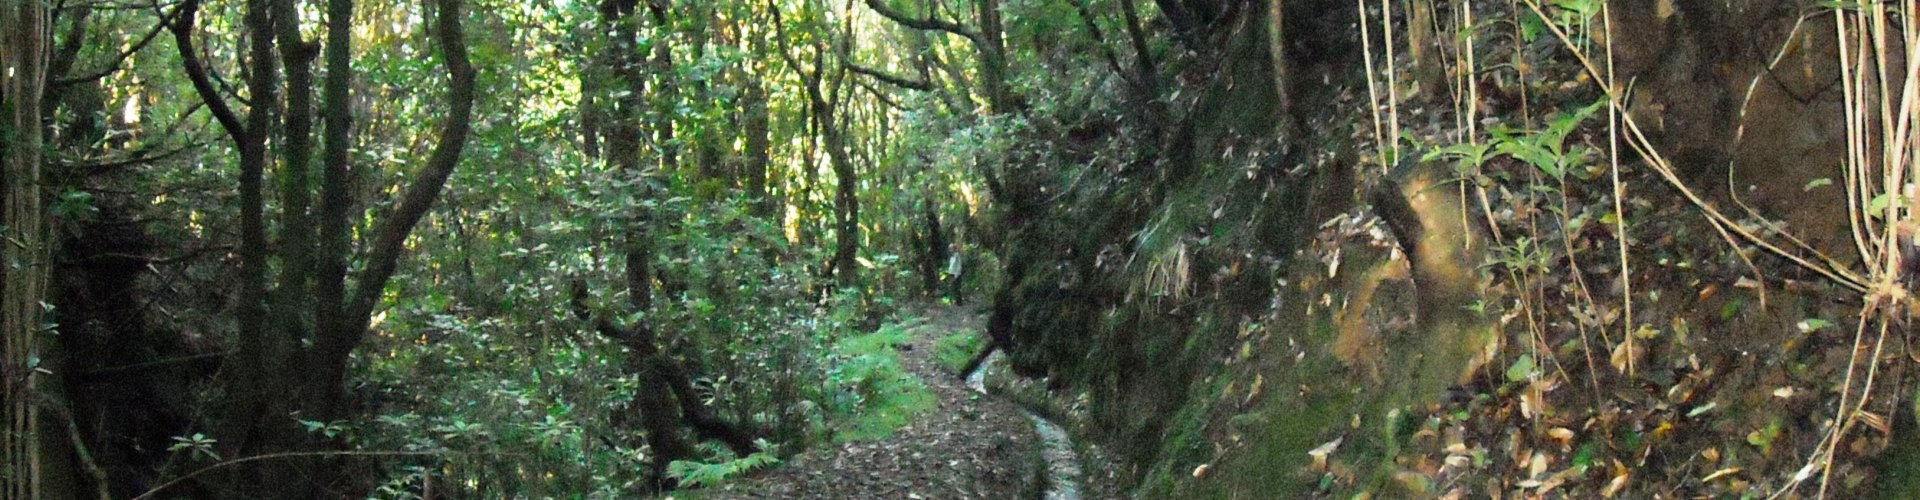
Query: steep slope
1261	297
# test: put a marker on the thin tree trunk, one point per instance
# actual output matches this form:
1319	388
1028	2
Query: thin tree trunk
336	190
260	379
845	200
23	54
759	147
666	92
253	417
296	241
389	234
623	147
936	246
993	57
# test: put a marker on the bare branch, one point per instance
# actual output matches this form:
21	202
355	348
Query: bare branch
140	157
926	23
898	81
182	28
114	66
391	234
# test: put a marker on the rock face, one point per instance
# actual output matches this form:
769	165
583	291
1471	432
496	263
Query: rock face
1744	98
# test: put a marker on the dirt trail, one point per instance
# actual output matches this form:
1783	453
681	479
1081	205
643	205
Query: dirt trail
969	446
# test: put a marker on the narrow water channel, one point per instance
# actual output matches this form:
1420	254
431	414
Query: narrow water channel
1063	465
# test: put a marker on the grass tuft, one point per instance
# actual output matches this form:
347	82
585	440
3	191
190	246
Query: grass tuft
955	350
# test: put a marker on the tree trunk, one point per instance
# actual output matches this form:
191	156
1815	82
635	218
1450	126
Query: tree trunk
261	383
389	234
993	57
264	391
296	239
23	50
846	204
710	138
336	203
666	95
252	419
623	146
936	246
759	147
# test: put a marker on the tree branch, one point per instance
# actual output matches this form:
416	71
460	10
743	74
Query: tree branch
68	50
578	301
1099	38
139	157
391	234
926	23
182	28
124	54
898	81
884	99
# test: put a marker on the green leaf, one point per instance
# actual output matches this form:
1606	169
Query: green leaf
1531	26
1823	181
1584	457
1521	368
1878	206
1811	325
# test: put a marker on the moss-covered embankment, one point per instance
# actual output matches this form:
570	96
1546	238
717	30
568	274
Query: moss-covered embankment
1251	304
1193	297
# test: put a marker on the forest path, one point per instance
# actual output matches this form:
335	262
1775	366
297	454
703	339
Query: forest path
970	445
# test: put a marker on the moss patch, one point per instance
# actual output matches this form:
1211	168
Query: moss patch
955	350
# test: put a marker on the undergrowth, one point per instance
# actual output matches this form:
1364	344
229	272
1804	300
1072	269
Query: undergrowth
721	464
875	395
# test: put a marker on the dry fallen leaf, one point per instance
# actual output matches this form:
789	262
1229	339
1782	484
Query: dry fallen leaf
1614	486
1720	474
1708	292
1624	355
1561	434
1873	420
1320	454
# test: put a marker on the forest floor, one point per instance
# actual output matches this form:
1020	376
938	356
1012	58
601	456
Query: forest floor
968	446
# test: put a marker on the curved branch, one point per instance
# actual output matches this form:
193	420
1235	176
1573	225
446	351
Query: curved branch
391	234
121	58
897	81
182	28
877	94
926	23
94	166
151	493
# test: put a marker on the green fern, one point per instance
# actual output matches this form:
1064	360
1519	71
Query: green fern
704	474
